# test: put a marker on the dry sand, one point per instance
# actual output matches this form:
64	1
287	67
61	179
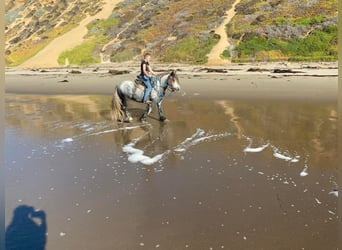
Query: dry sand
48	57
214	57
303	82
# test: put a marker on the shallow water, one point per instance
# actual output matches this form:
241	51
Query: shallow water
217	175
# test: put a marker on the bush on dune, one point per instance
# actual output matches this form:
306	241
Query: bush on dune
320	45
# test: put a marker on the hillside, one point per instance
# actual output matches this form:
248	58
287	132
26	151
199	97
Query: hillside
293	30
174	31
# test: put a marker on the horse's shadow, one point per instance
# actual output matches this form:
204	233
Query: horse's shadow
27	229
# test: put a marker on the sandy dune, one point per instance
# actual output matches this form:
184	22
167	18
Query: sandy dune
49	55
214	57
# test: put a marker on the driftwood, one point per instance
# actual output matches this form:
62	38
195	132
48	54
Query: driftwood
211	70
75	72
282	71
118	72
257	70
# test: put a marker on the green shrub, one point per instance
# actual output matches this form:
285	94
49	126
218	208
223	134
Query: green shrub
190	50
225	54
302	21
103	25
319	45
122	56
84	54
80	55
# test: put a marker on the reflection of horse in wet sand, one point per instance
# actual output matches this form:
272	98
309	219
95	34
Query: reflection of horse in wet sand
135	91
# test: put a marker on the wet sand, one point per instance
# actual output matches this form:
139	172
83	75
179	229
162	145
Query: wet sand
250	167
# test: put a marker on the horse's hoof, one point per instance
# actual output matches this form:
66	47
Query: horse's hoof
127	119
162	118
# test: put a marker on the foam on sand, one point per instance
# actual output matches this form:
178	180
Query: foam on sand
304	171
136	155
284	157
87	128
335	193
249	149
119	129
198	137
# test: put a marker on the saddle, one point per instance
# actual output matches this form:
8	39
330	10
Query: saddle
139	83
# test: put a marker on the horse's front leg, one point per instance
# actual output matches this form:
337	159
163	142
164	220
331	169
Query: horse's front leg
127	117
146	113
160	110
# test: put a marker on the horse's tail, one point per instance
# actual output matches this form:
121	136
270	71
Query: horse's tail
117	112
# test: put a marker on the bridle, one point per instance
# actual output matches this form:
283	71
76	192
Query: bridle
167	84
170	80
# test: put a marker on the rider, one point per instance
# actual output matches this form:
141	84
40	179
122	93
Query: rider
146	75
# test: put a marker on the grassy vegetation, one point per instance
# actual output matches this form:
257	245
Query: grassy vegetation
302	21
86	53
102	26
122	56
253	17
320	45
19	56
177	31
30	48
226	54
184	20
80	55
190	50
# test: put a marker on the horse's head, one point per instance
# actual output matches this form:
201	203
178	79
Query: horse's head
173	81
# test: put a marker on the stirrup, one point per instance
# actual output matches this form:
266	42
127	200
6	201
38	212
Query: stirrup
148	101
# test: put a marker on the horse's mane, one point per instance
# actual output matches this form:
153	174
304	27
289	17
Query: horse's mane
161	75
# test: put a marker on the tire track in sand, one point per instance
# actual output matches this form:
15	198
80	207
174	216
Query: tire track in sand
48	56
214	57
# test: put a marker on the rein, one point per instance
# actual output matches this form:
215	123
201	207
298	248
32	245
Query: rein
157	80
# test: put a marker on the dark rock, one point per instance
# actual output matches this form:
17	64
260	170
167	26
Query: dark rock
259	20
75	72
212	70
118	72
282	71
15	40
256	70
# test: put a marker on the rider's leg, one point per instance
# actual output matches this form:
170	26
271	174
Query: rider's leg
148	89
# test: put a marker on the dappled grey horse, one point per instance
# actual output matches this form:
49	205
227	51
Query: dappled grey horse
135	91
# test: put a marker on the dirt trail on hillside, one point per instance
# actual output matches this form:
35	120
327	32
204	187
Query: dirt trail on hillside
48	56
214	57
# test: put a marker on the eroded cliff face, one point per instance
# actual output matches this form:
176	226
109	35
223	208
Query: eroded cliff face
174	31
134	26
31	25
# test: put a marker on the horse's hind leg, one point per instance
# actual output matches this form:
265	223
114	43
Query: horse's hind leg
146	113
128	117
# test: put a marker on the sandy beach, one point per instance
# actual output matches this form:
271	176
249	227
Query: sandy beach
293	81
247	159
